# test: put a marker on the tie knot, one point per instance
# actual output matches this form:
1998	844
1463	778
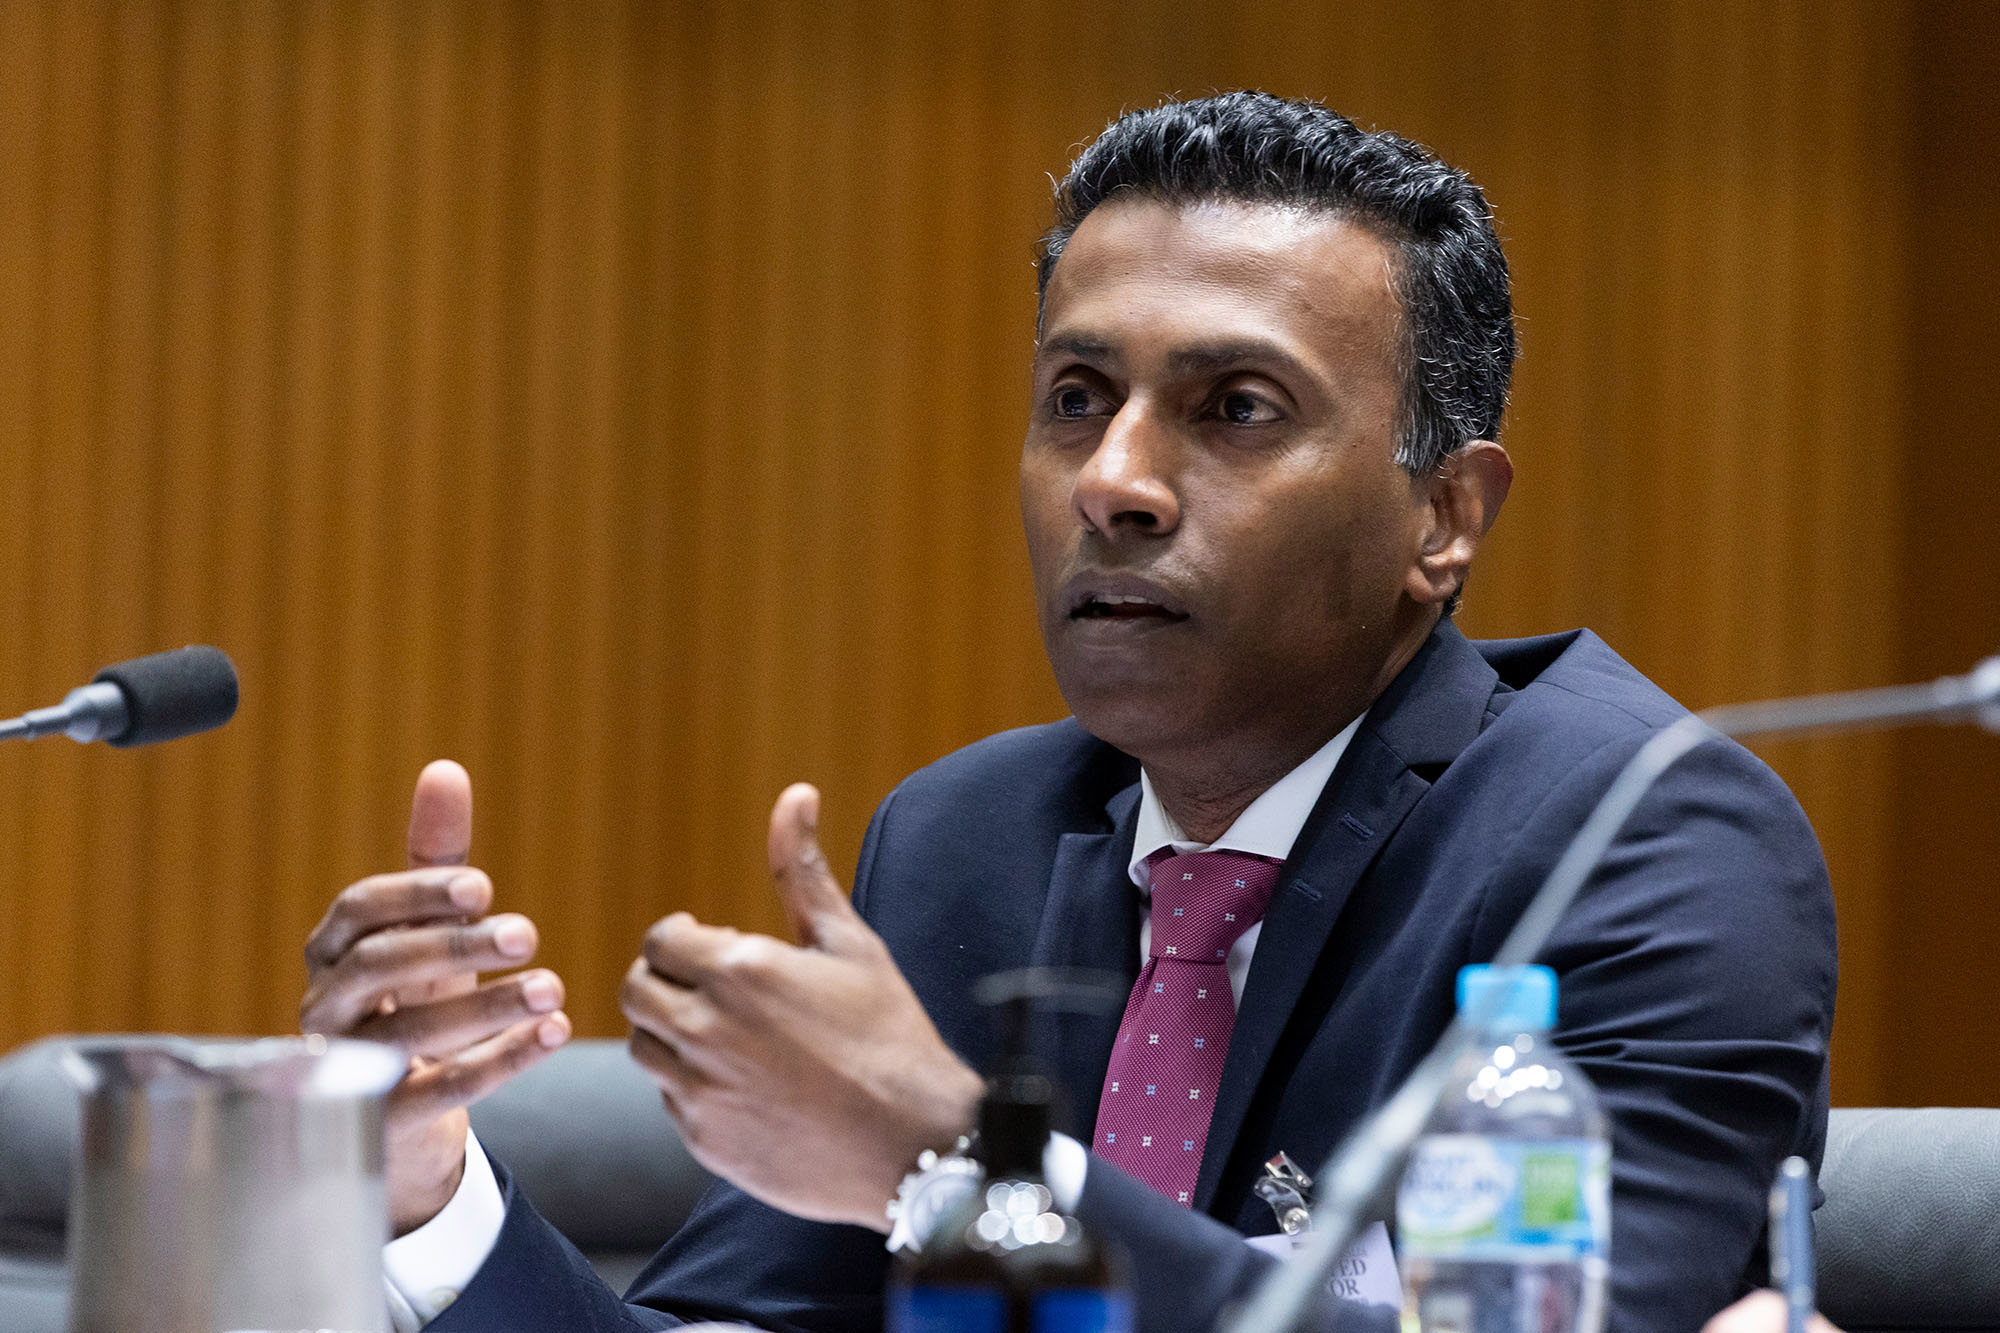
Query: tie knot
1203	900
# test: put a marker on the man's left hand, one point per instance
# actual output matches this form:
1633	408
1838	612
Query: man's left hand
809	1076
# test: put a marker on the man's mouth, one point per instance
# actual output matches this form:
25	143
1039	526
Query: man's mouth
1115	607
1121	598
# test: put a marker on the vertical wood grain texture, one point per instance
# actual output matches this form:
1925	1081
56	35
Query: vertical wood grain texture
1943	926
623	398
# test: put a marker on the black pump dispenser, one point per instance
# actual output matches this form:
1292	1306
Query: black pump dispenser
1018	1112
1005	1259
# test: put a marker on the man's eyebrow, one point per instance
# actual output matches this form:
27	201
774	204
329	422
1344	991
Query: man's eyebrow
1208	358
1075	345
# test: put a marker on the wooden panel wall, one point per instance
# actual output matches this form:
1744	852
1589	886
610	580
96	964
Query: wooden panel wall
623	399
1942	899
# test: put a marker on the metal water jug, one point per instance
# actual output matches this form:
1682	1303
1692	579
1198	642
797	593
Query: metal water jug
229	1185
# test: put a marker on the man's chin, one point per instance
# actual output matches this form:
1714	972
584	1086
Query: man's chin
1140	722
1134	687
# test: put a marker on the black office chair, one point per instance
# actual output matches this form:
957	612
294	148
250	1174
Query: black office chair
1909	1236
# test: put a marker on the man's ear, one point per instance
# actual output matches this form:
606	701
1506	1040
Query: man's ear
1465	492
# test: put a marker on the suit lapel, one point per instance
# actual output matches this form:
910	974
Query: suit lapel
1091	920
1431	712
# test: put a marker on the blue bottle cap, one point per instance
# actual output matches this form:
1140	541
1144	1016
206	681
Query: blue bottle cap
1526	1001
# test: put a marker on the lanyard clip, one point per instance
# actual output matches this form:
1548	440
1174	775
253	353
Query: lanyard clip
1289	1192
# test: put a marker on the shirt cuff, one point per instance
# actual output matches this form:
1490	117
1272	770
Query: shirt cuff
427	1269
1065	1163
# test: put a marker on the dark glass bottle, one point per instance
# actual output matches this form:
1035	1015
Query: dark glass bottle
1005	1259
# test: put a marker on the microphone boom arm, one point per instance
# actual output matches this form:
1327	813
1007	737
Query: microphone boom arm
88	713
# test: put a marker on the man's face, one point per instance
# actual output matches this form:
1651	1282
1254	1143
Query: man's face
1222	541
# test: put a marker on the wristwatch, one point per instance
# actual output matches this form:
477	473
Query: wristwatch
940	1182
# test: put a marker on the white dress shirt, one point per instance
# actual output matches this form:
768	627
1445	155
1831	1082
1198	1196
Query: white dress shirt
426	1269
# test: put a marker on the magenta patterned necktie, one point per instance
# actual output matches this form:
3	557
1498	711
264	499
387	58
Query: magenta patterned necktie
1152	1118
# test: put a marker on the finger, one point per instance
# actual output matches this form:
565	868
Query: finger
648	1051
677	1015
442	1029
678	1080
390	960
813	899
406	898
683	950
447	1085
441	816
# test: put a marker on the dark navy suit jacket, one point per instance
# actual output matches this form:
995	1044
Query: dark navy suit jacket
1696	974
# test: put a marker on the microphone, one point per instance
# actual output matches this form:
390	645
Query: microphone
1359	1171
158	698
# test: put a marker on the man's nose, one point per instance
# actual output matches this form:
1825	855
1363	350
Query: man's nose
1128	484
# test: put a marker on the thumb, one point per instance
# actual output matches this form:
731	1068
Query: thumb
441	816
812	897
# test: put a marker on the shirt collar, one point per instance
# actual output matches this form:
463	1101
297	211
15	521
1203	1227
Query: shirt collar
1268	827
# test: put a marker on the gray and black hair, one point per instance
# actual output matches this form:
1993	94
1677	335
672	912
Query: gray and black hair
1252	147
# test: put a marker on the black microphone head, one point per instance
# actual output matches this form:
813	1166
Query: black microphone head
169	695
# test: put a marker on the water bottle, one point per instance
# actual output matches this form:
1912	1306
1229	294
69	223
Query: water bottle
1504	1216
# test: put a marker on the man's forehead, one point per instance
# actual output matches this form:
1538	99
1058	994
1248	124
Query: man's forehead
1241	270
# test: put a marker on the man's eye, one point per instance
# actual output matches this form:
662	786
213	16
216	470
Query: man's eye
1244	409
1072	403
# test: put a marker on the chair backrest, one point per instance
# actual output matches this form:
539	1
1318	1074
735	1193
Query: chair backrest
1909	1235
590	1143
38	1132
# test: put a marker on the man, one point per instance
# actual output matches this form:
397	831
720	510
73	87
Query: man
1272	358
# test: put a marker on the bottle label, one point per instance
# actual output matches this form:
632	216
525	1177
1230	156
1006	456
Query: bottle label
966	1308
1082	1310
947	1309
1468	1196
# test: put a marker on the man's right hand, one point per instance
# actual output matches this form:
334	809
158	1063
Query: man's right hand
396	959
1761	1312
